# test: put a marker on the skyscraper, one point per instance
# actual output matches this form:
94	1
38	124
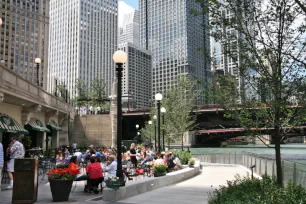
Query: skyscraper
24	37
83	38
136	86
177	40
129	30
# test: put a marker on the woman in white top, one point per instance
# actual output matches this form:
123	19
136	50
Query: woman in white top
111	169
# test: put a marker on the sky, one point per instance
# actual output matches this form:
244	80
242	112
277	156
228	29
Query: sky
132	3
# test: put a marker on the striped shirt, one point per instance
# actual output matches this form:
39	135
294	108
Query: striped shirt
1	156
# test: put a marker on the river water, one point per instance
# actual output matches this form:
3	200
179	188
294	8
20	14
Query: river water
292	152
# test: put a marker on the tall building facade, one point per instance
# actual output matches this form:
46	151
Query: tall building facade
129	30
136	86
83	38
24	37
177	40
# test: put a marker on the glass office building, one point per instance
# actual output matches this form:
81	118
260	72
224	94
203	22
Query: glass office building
83	39
177	41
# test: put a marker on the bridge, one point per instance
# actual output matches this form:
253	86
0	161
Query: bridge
212	127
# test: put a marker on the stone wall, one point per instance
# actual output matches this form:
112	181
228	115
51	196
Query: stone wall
92	129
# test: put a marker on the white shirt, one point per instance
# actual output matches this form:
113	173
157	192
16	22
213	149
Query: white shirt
111	170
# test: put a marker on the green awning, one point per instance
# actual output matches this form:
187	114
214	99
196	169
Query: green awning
54	126
36	124
8	124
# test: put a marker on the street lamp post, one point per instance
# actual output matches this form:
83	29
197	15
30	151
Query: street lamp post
158	98
154	117
37	62
119	58
150	123
137	126
138	136
163	110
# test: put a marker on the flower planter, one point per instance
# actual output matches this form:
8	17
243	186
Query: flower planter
191	166
114	184
60	189
158	174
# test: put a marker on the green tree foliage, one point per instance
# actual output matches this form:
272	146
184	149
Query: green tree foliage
81	92
97	93
270	54
180	102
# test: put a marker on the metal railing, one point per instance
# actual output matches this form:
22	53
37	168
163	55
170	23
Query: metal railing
291	171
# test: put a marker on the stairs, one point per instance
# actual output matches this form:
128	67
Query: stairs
92	129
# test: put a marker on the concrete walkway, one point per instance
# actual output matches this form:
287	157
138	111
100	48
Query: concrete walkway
194	190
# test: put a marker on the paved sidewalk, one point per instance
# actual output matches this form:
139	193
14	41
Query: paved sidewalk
194	190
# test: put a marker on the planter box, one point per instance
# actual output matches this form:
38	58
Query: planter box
60	189
157	174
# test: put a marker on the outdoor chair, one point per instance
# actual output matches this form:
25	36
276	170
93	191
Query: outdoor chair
94	185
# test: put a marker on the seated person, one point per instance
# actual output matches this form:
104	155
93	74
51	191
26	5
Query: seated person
177	163
94	172
124	160
60	158
170	162
158	160
144	162
73	165
111	169
78	154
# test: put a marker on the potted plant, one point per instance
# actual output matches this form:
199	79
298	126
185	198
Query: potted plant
160	170
191	162
61	182
114	183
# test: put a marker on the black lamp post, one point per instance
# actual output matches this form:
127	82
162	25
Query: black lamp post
55	93
154	117
37	62
150	123
137	127
119	58
163	110
158	98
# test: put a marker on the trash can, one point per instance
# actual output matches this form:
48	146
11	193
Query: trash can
25	181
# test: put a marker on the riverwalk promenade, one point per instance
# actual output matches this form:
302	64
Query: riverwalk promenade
194	190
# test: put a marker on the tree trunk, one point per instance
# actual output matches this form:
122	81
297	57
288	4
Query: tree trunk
278	158
183	142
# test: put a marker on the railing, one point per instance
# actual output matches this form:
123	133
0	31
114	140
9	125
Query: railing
292	171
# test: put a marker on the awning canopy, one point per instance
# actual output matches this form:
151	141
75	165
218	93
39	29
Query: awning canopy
37	125
8	124
54	126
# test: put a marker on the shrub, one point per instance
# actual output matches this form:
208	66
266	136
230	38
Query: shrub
191	161
160	168
184	156
254	191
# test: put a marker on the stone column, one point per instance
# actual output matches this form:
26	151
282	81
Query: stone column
113	114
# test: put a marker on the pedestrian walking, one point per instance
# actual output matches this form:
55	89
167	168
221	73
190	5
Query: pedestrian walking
17	151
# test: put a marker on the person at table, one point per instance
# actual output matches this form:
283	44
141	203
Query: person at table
73	165
94	171
78	154
111	169
133	154
60	157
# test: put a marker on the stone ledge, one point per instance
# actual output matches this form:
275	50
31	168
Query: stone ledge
150	183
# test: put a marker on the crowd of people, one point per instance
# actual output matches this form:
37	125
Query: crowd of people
101	163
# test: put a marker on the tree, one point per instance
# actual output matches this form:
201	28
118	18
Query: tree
266	40
61	90
81	93
180	102
97	93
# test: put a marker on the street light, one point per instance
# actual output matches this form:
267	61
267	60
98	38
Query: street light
119	58
158	98
137	126
154	118
150	123
37	61
163	110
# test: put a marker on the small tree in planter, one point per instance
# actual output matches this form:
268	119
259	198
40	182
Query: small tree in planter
160	170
